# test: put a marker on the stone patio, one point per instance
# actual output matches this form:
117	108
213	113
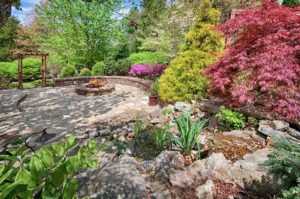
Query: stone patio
63	112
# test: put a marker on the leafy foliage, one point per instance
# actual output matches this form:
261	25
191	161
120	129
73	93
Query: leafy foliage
4	81
183	78
261	63
231	118
119	67
98	68
46	173
32	69
38	83
85	72
149	58
8	34
67	71
189	133
284	164
79	32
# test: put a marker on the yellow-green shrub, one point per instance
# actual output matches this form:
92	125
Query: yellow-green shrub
183	79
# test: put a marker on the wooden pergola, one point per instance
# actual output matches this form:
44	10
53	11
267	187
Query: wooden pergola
20	66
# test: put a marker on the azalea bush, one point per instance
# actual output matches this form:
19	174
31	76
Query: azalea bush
143	70
261	64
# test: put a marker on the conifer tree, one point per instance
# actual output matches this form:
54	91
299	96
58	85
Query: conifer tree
183	79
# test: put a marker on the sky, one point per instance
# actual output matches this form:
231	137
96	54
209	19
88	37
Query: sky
25	14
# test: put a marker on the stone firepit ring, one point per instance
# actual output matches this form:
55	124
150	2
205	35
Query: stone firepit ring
83	89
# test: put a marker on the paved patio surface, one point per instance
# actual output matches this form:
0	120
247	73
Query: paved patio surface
62	111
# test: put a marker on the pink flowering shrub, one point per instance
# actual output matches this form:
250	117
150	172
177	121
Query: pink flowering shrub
263	62
142	70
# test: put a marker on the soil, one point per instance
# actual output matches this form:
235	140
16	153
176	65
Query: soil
233	147
223	189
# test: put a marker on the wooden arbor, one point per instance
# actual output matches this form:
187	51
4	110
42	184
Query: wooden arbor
20	65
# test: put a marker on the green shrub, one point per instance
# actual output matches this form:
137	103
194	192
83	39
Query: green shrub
38	83
149	58
119	67
85	72
284	164
67	71
46	173
231	118
183	79
189	133
98	69
32	69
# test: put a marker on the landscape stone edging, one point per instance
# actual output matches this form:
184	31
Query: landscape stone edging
143	84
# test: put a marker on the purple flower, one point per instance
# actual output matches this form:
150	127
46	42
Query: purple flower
141	70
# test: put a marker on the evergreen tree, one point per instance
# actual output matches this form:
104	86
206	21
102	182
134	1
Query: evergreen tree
183	79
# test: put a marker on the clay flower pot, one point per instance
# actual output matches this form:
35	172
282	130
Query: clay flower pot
153	100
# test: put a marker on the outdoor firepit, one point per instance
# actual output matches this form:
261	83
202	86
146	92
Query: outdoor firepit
95	87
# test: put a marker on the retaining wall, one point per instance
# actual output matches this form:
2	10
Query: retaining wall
143	84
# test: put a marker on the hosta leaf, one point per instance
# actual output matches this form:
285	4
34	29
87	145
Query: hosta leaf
92	145
5	176
93	162
70	189
70	142
45	156
59	149
25	177
37	169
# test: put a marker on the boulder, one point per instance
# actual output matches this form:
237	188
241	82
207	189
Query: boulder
217	162
278	128
208	107
183	107
206	191
168	160
119	179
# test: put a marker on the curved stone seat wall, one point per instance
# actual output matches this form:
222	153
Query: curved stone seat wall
143	84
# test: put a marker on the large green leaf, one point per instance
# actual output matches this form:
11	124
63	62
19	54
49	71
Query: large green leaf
70	189
25	177
37	169
5	176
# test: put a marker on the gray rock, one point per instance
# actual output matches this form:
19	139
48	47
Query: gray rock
280	125
117	180
207	191
294	133
208	107
183	107
169	159
276	128
180	178
155	121
156	113
217	162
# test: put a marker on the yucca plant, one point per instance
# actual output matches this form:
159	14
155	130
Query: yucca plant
189	133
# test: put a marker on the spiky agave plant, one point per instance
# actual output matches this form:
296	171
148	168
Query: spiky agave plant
189	133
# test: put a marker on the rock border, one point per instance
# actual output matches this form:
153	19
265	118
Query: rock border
142	84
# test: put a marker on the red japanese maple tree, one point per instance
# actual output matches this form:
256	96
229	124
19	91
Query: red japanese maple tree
262	62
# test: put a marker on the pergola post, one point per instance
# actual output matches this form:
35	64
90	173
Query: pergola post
44	81
20	65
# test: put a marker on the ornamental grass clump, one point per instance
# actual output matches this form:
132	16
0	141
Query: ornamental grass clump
147	70
189	133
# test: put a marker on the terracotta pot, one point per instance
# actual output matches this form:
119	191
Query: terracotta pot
153	100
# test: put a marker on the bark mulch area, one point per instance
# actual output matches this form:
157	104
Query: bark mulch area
233	147
223	189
